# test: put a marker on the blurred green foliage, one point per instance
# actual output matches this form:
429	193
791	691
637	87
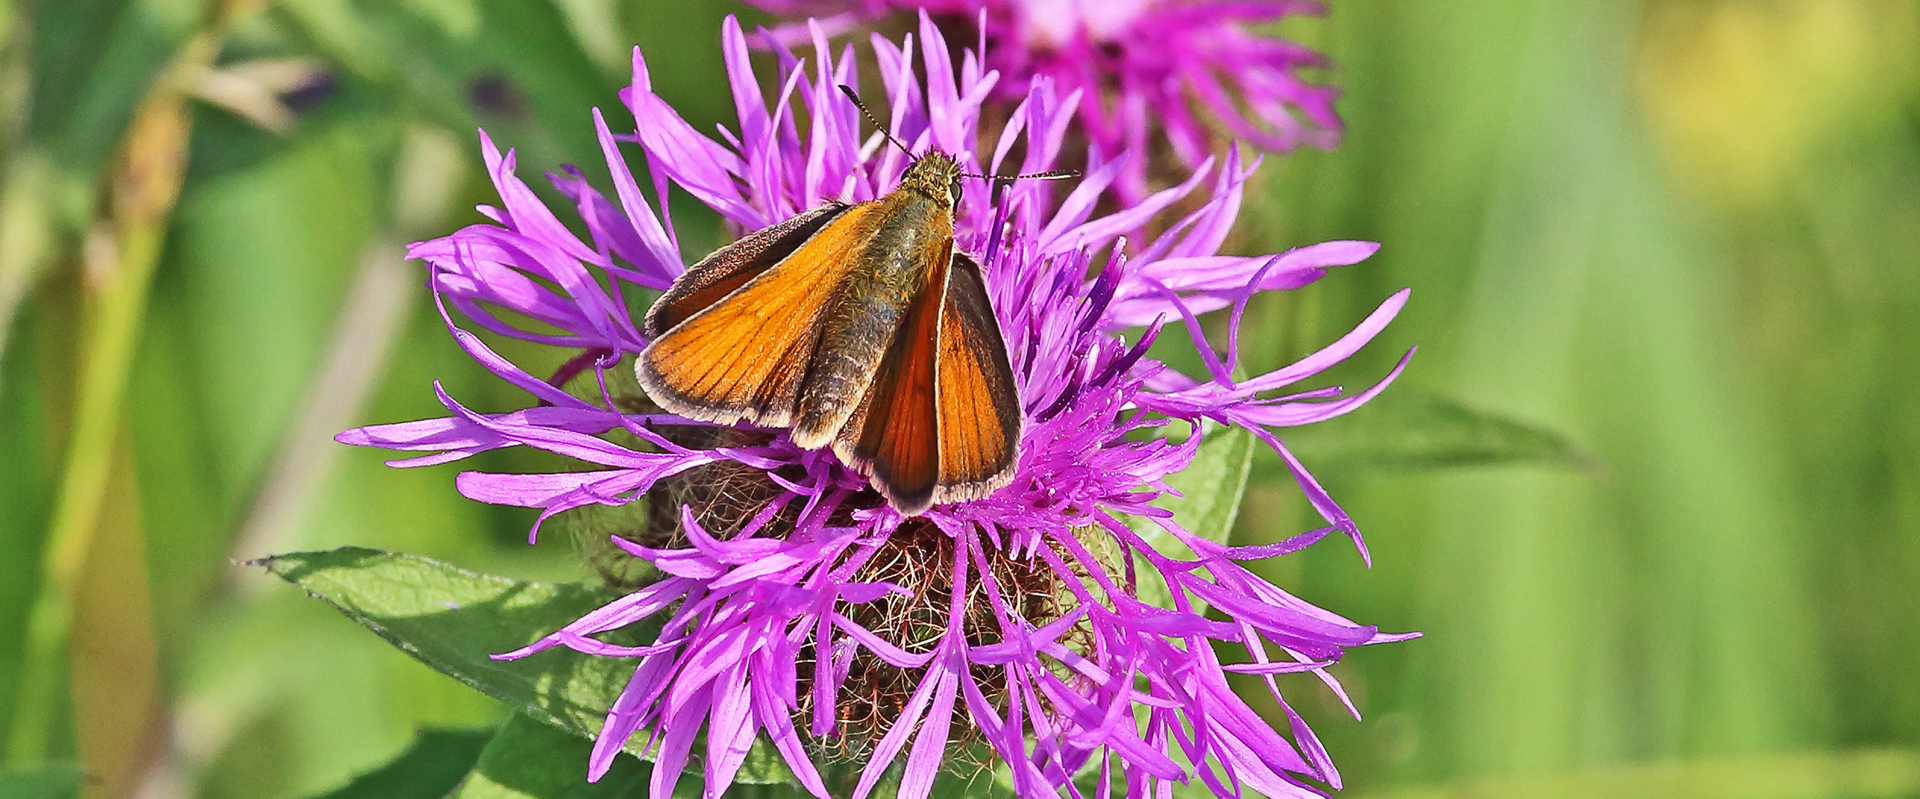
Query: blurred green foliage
1680	233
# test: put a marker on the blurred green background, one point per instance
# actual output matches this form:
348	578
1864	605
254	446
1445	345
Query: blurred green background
1683	233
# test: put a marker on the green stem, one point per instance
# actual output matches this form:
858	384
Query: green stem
112	334
143	183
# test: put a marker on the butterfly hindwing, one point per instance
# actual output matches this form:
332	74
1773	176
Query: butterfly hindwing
745	355
941	420
894	435
979	407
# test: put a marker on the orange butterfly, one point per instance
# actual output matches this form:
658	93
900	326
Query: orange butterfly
856	325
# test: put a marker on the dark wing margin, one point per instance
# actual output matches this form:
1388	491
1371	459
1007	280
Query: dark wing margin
979	405
730	267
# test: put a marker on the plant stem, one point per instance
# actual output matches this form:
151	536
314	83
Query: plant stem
121	251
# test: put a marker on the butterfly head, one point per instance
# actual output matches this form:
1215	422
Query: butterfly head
935	175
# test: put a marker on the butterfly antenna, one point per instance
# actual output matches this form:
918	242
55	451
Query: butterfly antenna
875	121
998	183
1051	174
996	191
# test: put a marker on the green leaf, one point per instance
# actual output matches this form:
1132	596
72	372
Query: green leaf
91	62
49	781
428	769
26	491
1212	486
530	760
512	66
453	620
1413	430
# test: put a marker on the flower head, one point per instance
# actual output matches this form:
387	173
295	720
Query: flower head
801	608
1144	67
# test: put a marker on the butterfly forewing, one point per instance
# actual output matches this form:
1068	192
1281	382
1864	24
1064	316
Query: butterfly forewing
730	267
745	355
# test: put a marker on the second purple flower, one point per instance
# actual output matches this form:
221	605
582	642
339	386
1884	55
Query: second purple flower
1180	74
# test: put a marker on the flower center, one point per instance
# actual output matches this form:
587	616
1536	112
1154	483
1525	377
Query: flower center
868	693
919	557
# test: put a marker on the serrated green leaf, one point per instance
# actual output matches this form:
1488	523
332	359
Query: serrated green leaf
428	769
1411	430
49	781
453	620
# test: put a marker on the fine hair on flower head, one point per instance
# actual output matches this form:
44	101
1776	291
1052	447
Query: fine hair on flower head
1159	77
1063	626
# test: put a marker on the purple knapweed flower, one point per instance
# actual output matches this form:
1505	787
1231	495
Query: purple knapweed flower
864	646
1152	70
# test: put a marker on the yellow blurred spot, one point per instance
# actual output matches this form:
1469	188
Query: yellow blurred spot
1742	94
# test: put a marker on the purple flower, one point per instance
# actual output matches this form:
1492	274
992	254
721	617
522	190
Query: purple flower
1144	66
806	610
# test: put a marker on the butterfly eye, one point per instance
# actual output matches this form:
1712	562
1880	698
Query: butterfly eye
956	189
